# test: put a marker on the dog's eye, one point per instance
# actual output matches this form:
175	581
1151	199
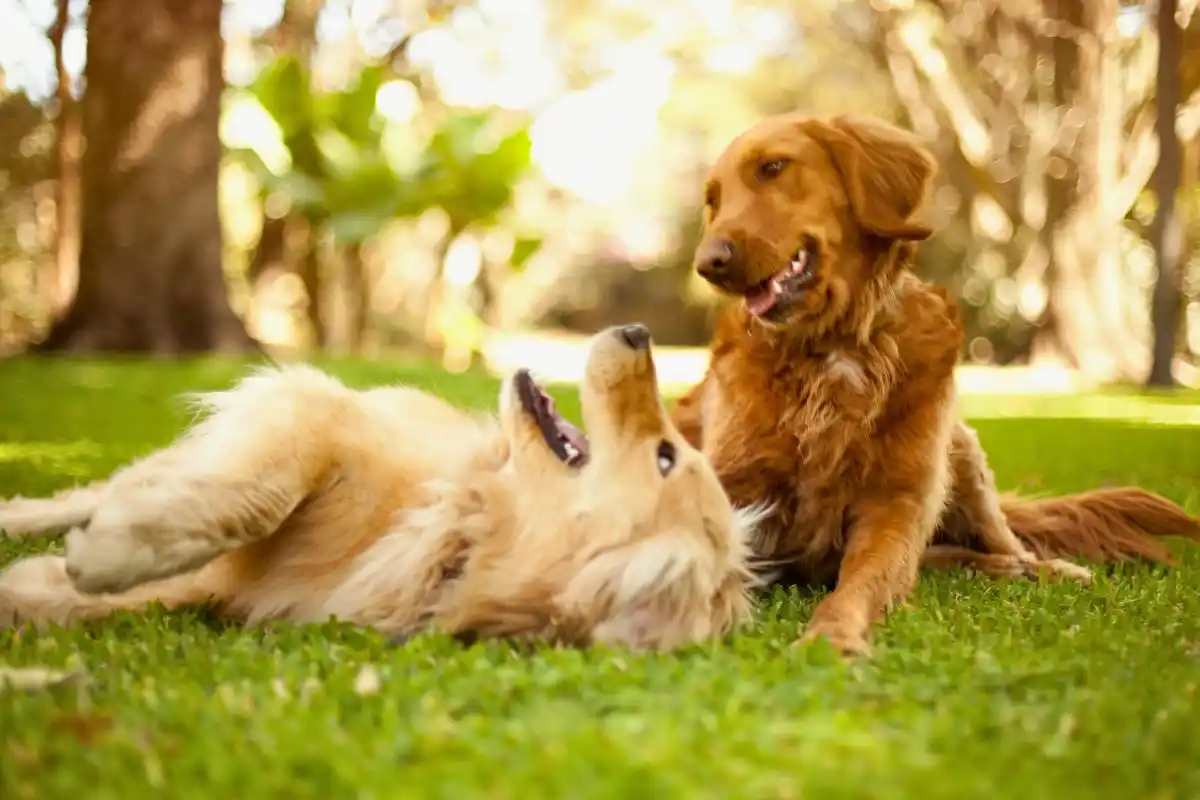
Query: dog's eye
771	169
666	457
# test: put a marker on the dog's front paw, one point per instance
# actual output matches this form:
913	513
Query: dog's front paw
847	640
112	560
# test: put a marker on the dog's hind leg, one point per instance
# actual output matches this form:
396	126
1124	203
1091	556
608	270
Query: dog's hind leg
231	480
974	519
37	590
74	507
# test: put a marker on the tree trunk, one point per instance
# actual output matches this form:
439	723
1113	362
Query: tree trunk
1168	226
60	281
296	33
356	294
1085	320
150	277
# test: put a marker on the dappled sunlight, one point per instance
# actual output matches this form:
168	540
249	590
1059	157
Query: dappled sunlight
561	358
69	459
174	98
1132	409
588	141
624	105
245	123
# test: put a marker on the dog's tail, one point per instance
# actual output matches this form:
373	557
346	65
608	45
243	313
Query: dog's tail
46	516
1102	525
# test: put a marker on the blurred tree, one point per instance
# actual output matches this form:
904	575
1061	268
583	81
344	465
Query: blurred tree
1043	115
295	35
26	170
339	178
1168	225
62	275
1084	319
150	274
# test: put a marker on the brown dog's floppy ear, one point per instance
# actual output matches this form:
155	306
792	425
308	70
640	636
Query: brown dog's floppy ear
885	170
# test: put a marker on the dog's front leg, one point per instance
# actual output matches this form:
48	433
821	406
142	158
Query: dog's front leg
878	570
892	522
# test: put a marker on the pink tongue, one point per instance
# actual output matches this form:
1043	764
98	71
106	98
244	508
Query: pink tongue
760	300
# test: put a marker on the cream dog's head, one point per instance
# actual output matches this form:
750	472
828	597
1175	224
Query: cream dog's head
623	535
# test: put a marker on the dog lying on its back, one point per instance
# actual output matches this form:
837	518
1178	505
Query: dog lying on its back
299	499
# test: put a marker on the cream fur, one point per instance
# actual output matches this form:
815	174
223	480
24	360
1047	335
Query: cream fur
296	498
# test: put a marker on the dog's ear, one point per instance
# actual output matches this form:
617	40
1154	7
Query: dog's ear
886	172
646	595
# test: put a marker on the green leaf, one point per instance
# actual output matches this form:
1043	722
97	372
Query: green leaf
352	111
302	190
372	185
284	89
355	227
523	249
340	154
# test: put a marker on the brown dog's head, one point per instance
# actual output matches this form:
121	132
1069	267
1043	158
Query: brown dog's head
798	210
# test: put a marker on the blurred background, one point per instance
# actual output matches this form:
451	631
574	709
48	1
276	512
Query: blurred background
487	181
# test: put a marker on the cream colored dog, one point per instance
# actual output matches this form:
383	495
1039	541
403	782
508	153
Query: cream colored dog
299	499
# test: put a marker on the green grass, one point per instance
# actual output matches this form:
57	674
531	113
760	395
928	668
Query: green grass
979	689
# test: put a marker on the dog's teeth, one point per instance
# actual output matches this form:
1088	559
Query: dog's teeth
776	287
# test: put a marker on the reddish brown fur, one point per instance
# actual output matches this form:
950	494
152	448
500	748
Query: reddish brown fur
1103	525
840	412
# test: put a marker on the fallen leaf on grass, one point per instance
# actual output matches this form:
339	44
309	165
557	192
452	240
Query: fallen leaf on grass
32	679
84	727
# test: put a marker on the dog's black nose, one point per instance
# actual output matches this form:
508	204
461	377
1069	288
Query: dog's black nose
636	336
714	259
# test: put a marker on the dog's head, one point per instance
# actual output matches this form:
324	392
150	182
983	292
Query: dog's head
798	210
623	535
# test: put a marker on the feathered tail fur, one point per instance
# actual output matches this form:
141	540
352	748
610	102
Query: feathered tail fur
1102	525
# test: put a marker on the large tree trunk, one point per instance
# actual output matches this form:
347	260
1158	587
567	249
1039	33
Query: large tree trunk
1168	227
1085	320
61	279
150	276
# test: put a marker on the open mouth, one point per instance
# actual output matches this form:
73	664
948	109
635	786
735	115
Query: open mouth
564	439
785	286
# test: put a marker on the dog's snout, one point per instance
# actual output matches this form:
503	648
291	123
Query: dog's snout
715	259
636	336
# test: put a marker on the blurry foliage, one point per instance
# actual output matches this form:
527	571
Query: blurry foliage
26	167
334	158
338	172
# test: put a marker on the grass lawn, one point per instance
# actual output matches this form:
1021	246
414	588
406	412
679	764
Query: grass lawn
979	689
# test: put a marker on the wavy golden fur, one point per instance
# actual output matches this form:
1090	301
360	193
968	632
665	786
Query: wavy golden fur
830	394
299	499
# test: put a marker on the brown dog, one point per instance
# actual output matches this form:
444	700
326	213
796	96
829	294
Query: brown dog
830	391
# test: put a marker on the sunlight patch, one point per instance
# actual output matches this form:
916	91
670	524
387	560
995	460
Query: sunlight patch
1142	410
58	456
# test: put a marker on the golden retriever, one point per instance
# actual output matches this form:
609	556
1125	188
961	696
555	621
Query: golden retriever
299	499
830	394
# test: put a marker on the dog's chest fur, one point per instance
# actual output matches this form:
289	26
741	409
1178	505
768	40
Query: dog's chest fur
791	427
